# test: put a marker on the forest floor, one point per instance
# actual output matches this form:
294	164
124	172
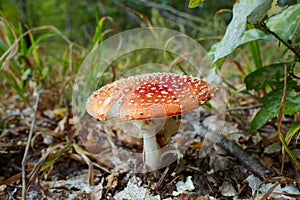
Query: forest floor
61	164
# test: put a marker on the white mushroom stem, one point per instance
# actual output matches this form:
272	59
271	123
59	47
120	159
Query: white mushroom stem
151	154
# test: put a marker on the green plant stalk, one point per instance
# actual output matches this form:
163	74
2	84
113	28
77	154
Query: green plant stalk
35	50
293	130
255	51
53	156
166	54
288	137
97	39
229	84
23	46
12	81
281	40
289	151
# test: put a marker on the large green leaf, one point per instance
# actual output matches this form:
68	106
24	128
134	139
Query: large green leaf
247	36
283	3
234	35
272	105
260	12
266	75
286	24
195	3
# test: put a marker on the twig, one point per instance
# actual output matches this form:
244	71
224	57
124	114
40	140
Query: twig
162	178
88	162
174	18
245	158
28	145
245	107
248	160
172	10
264	26
176	15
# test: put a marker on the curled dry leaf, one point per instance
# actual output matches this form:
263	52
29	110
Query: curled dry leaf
112	180
227	190
61	125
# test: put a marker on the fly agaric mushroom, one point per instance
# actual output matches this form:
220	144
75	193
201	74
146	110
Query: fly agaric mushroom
147	100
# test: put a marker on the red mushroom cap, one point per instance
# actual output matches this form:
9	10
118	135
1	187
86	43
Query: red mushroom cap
148	96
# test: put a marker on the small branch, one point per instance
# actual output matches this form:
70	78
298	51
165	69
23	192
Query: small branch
28	145
281	40
249	161
162	178
180	14
245	107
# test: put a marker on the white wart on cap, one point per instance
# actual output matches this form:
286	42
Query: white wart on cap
148	96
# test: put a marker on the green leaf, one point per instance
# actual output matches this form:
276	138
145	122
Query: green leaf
293	130
260	12
266	75
234	35
4	125
292	104
286	23
54	155
45	72
219	63
263	116
195	3
272	105
283	3
255	51
26	76
289	151
254	34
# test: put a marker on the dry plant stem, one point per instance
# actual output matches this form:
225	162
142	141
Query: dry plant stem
280	114
28	145
162	178
281	110
88	162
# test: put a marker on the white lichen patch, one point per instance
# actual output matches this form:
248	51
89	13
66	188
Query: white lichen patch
184	187
135	192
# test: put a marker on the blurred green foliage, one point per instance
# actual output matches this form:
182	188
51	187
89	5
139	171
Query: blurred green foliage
87	23
77	18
